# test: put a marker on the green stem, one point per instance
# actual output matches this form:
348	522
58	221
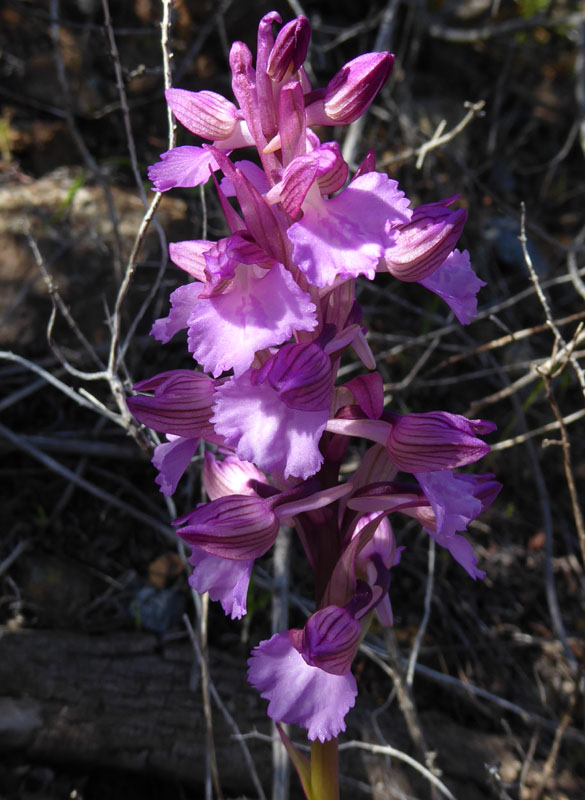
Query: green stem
324	770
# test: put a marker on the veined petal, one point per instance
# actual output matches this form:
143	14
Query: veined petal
346	235
329	640
206	114
190	256
171	459
182	166
436	440
181	404
226	580
457	284
237	527
230	476
368	391
226	330
301	374
290	49
299	693
423	244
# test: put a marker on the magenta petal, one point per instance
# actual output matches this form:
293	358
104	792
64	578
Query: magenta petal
238	527
253	173
299	693
290	49
226	580
183	301
330	640
457	284
423	244
346	235
452	500
190	256
463	553
352	89
226	330
301	374
182	166
171	460
263	430
368	392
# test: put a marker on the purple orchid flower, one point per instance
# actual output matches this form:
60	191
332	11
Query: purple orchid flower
270	313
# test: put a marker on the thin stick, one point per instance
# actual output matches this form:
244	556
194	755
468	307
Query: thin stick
227	716
93	404
78	138
387	750
567	465
438	139
529	718
426	615
383	42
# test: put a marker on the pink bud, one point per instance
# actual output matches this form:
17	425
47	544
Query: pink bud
423	244
230	476
350	91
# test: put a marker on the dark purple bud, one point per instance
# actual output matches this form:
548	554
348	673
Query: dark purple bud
423	244
329	640
181	404
290	49
238	527
435	441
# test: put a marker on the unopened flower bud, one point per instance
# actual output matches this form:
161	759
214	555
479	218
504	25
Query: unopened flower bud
350	92
423	244
329	640
290	49
436	441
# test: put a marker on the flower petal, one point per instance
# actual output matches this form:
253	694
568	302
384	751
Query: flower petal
457	284
226	330
171	460
225	580
263	430
299	693
182	166
346	235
